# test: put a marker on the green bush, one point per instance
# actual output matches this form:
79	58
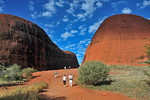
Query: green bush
11	73
92	73
2	67
27	72
15	73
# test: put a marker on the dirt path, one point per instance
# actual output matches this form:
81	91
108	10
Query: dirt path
56	90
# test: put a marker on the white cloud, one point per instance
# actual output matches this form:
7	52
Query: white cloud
46	30
2	5
89	7
66	35
57	23
70	46
94	27
51	36
65	19
115	4
69	26
73	31
31	7
73	6
85	41
50	9
126	11
49	25
86	8
99	4
34	15
60	3
144	4
82	16
82	29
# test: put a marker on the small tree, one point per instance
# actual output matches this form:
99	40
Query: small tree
92	73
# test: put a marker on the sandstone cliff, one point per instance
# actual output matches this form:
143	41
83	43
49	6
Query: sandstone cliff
120	39
26	44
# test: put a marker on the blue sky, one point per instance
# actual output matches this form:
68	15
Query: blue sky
72	23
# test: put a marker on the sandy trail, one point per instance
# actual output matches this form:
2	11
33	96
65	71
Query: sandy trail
56	90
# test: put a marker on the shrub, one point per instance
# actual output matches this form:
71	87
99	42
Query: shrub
92	73
11	73
27	72
2	67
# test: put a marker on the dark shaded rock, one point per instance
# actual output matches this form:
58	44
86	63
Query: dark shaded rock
120	40
26	44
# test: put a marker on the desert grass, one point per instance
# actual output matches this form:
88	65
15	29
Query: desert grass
128	80
29	92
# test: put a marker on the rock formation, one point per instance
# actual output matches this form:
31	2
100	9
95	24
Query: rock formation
26	44
120	39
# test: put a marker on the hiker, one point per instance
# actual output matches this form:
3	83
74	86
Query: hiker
64	80
70	80
69	67
55	74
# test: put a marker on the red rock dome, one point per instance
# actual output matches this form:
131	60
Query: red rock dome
120	39
26	44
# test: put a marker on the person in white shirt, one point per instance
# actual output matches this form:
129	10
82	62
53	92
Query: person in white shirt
55	74
70	80
64	80
69	67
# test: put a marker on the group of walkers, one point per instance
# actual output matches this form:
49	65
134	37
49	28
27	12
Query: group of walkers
70	77
64	78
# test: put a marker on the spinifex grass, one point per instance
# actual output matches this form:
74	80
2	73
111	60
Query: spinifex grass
30	92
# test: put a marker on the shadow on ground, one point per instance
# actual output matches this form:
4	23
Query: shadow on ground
35	76
45	97
6	86
57	98
108	82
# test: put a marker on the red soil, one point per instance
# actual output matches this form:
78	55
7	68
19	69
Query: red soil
56	90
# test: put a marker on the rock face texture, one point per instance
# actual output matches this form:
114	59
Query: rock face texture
26	44
120	40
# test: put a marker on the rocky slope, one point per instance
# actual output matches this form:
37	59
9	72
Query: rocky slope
120	39
26	44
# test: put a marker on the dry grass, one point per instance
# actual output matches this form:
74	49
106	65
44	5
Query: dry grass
30	92
129	80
